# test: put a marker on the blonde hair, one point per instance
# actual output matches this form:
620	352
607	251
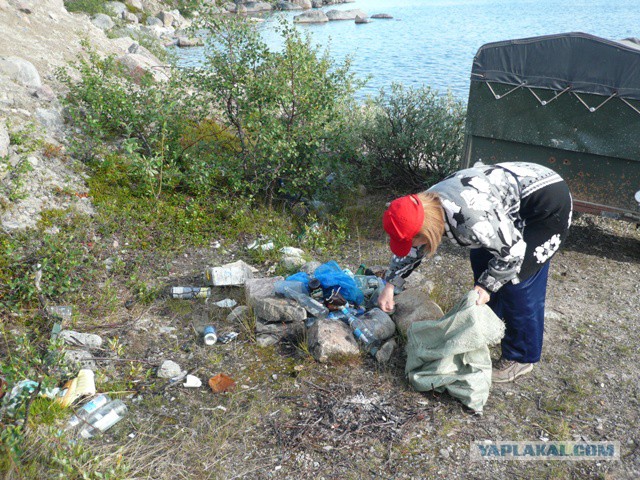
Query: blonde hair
433	227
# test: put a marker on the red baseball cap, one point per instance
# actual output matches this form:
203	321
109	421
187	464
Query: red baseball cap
402	221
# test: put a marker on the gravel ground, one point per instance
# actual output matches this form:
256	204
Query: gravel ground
291	417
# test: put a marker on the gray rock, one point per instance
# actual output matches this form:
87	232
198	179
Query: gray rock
20	71
136	4
256	7
154	21
292	252
116	8
360	20
189	42
239	315
46	93
271	309
266	340
78	339
280	330
316	3
346	14
169	369
310	267
384	16
315	16
51	119
130	17
292	263
304	4
167	18
4	139
414	306
102	21
257	288
329	339
138	65
77	359
287	6
419	282
379	323
383	355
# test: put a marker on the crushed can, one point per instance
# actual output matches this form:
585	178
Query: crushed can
210	335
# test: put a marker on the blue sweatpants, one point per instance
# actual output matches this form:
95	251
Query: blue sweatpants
521	306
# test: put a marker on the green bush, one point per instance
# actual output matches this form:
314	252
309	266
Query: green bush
413	137
87	6
282	107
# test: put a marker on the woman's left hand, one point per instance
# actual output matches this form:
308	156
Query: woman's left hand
483	295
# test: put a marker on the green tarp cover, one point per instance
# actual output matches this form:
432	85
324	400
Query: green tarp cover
452	354
581	62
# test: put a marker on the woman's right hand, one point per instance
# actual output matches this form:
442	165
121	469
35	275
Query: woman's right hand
385	299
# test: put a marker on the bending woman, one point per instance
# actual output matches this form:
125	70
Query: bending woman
513	216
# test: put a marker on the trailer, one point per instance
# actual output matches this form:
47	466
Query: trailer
569	101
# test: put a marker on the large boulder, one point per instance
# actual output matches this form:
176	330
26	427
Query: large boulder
167	18
272	333
315	16
329	339
258	288
116	8
135	4
20	71
414	306
139	65
346	14
304	4
51	119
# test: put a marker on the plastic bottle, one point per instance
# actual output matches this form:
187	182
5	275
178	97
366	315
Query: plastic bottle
86	410
210	335
368	283
360	331
190	292
314	307
298	287
104	418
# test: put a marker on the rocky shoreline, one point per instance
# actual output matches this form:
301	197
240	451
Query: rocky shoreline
41	37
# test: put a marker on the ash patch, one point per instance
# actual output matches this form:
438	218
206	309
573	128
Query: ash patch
338	415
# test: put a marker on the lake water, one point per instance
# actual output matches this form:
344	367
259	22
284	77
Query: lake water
433	42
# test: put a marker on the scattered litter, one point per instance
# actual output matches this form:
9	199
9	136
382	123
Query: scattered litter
210	335
228	337
292	251
231	274
86	410
226	303
192	382
61	312
216	245
222	383
262	246
190	292
104	418
166	329
81	386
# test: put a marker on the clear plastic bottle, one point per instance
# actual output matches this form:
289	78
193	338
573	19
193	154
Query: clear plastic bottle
190	292
313	307
360	331
86	410
368	283
104	418
296	286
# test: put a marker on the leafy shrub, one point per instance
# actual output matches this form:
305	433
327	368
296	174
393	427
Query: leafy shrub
87	6
413	137
282	107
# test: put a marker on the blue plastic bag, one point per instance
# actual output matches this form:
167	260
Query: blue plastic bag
331	277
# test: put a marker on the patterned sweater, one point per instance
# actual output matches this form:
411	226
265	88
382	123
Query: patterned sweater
481	206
